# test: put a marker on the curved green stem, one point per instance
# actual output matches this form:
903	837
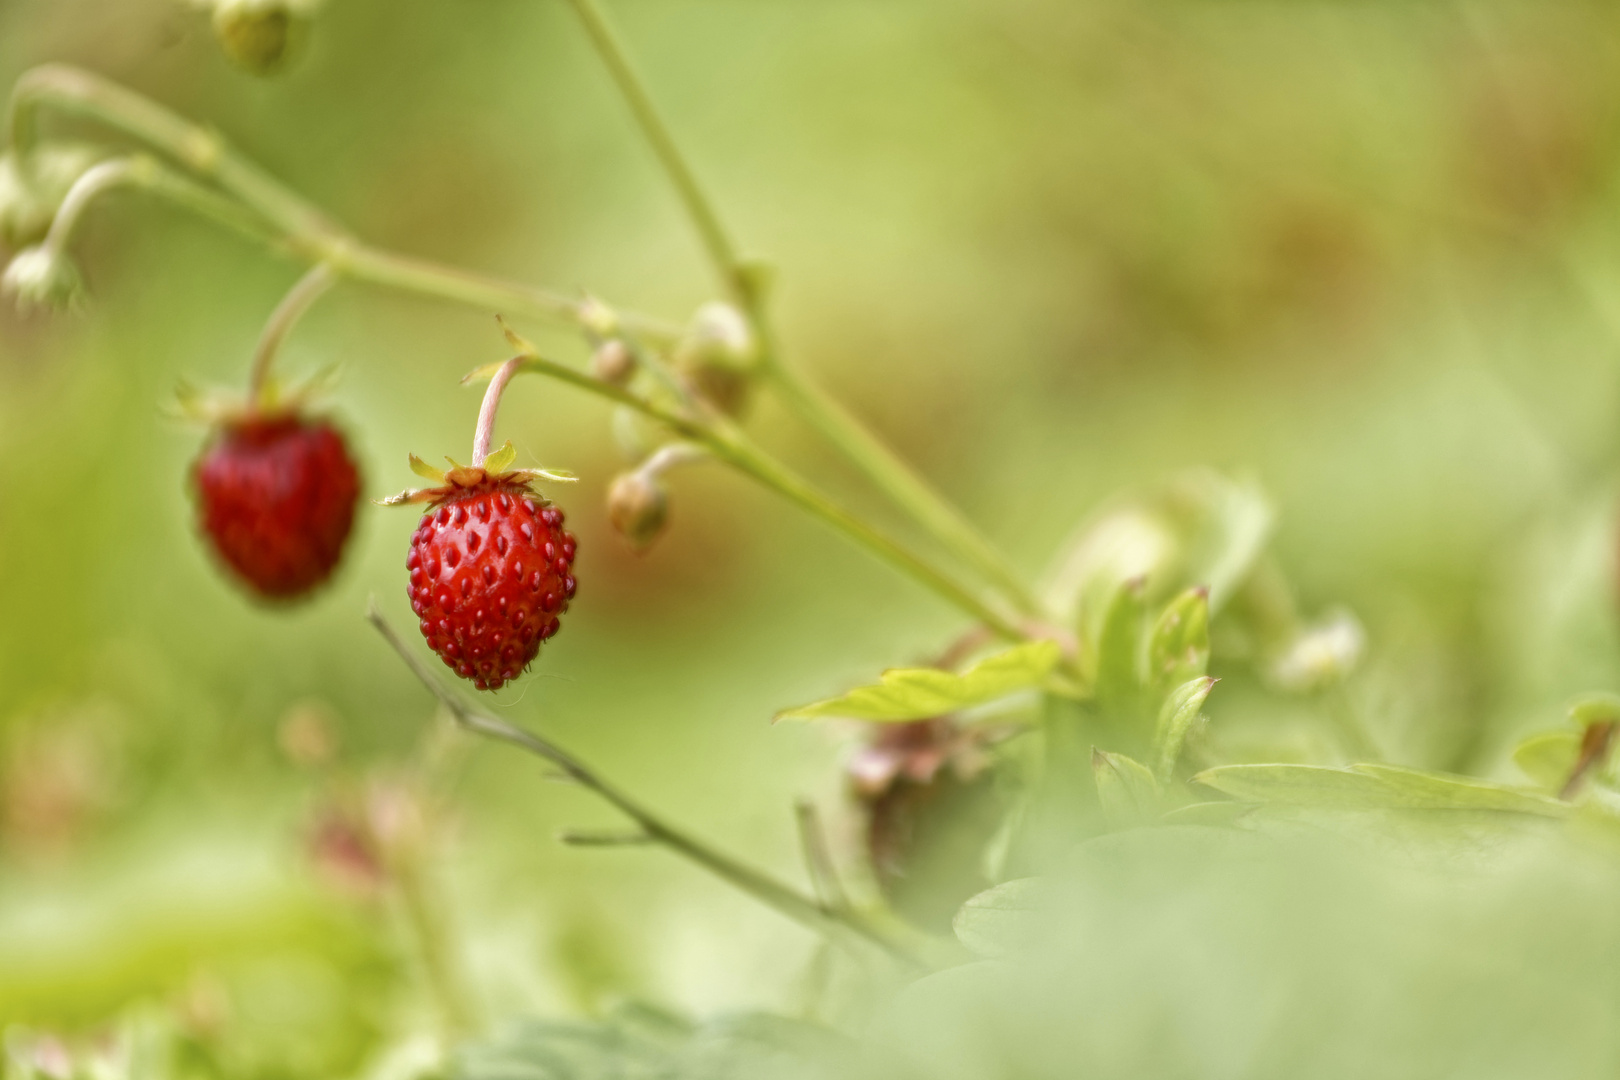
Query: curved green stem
144	173
727	442
276	212
876	461
298	300
838	924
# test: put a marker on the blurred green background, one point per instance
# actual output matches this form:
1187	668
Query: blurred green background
1367	253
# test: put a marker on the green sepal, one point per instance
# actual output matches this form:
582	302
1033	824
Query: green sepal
1176	718
501	460
426	471
1178	648
1119	647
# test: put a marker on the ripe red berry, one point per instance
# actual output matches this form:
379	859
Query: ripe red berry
491	572
275	497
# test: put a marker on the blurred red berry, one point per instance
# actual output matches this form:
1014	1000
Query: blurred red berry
491	572
276	497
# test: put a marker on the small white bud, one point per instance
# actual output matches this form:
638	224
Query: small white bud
39	277
638	508
261	36
1322	655
613	363
718	334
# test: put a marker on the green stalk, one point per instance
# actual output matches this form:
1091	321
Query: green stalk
875	461
144	173
727	442
266	209
839	925
298	300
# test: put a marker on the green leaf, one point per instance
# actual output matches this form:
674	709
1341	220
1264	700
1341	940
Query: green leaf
1596	709
1003	919
1119	648
426	471
1126	789
920	693
1178	649
1176	718
1373	787
500	460
1548	757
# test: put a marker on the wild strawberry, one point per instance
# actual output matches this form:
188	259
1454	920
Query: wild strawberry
275	497
491	567
491	573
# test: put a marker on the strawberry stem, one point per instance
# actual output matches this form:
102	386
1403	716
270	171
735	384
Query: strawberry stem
298	300
492	403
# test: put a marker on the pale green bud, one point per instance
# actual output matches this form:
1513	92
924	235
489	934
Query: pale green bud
40	277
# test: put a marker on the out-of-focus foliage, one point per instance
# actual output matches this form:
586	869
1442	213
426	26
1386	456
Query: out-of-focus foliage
1362	256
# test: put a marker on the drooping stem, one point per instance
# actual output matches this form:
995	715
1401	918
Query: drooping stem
298	300
269	211
843	926
728	443
485	433
698	205
145	173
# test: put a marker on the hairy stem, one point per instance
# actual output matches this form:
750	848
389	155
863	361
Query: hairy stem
840	926
698	205
485	432
298	300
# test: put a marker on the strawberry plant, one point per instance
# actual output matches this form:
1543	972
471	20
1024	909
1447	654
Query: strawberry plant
1046	857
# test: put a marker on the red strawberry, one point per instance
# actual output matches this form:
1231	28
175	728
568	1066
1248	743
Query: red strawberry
491	571
275	497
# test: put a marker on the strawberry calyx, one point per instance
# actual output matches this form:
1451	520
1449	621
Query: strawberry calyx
494	472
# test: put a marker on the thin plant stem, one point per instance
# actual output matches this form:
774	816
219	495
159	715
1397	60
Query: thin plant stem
298	300
145	173
843	926
485	432
865	451
727	442
699	207
291	220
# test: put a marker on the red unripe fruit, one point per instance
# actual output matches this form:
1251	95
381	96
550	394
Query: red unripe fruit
491	573
275	498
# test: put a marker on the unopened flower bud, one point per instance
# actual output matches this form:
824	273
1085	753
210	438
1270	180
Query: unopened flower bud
40	277
1322	655
30	192
638	508
613	363
718	355
260	36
